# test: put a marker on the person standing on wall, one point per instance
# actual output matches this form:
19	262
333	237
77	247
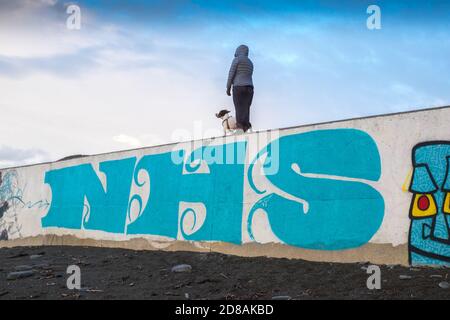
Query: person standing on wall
240	77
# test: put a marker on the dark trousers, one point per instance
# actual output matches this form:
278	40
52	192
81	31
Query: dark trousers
242	98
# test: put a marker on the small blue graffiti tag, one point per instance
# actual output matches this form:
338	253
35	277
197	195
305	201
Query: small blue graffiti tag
11	200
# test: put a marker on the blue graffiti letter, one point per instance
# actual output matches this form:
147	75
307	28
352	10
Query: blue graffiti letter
318	168
107	208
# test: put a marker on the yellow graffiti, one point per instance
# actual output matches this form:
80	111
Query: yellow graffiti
405	186
428	211
446	208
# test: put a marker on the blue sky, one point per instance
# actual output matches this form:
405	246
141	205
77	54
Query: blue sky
141	72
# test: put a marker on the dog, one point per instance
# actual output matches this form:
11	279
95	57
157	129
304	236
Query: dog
228	122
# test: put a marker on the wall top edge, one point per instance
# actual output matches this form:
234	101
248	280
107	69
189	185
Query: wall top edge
253	133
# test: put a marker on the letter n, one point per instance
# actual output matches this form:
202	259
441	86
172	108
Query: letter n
107	208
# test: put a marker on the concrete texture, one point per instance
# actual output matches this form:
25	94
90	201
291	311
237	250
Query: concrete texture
375	253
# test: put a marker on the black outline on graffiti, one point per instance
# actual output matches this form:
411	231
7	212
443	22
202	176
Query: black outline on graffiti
415	194
446	189
411	248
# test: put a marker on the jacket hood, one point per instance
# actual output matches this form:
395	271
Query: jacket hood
242	50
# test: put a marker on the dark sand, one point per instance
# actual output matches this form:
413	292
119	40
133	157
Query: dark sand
124	274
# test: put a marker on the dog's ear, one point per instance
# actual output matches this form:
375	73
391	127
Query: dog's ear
222	113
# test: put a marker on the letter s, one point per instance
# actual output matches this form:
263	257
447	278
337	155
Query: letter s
322	169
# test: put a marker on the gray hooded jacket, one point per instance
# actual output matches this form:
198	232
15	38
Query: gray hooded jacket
241	69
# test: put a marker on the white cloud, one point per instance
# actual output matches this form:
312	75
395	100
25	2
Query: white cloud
11	156
129	141
39	2
144	140
37	29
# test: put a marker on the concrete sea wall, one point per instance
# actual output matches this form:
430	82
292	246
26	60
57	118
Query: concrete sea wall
370	189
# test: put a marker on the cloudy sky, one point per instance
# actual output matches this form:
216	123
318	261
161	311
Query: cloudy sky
140	73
